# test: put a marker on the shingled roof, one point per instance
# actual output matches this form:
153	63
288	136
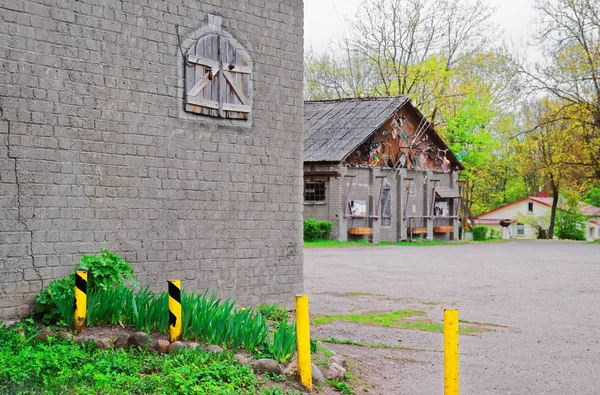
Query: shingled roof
335	128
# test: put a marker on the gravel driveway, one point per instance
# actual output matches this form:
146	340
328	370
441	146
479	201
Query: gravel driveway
543	298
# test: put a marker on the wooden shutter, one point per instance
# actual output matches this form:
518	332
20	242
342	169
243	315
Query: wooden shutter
217	79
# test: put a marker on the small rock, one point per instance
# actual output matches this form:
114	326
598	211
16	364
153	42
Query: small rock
173	347
317	376
214	349
339	360
162	346
138	339
122	341
241	359
103	343
292	369
43	334
79	339
335	372
266	365
192	345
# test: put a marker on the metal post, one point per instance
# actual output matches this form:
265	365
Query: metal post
174	310
303	336
450	352
80	300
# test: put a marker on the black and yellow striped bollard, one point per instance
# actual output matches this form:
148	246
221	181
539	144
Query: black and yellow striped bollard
80	300
174	310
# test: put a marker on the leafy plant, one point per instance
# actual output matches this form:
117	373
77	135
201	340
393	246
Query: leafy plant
341	386
60	366
317	230
283	344
52	303
273	312
106	271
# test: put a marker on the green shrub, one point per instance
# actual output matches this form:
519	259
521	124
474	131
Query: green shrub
317	230
494	234
479	233
570	224
105	271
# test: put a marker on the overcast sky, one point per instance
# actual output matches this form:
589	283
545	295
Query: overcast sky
322	24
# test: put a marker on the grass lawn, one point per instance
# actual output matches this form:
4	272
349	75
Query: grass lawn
363	243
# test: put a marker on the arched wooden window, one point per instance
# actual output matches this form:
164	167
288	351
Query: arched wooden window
218	75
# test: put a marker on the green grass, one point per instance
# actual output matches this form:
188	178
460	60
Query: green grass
364	243
391	319
402	319
60	366
370	345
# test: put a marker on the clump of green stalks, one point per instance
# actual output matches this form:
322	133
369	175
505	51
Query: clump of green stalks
205	318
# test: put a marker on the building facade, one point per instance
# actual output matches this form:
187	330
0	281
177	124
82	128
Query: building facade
166	131
377	170
520	217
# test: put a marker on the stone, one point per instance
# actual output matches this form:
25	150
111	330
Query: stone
103	343
214	349
173	347
266	365
335	372
138	339
291	370
339	360
241	359
317	376
43	334
162	346
122	341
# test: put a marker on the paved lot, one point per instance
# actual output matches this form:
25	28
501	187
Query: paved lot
545	295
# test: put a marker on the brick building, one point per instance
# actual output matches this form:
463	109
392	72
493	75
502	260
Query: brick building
167	131
377	169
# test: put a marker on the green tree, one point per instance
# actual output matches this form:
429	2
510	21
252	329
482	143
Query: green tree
472	143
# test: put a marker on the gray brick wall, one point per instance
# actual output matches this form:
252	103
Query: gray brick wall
94	151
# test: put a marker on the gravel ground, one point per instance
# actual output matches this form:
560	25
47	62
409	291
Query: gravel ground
544	295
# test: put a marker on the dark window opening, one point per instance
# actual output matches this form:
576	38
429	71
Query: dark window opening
314	191
530	207
386	206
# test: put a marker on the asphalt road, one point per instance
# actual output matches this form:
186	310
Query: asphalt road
543	298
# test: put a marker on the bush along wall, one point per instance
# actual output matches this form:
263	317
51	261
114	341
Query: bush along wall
317	230
115	298
479	233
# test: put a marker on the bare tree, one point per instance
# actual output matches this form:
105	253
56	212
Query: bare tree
569	35
410	47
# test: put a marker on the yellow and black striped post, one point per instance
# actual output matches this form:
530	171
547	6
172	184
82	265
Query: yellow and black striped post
174	310
80	300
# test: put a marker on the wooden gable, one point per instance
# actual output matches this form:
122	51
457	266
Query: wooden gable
404	141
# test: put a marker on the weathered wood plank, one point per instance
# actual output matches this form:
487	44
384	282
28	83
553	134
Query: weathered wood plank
234	87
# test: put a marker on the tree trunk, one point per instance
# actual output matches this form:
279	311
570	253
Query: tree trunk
553	212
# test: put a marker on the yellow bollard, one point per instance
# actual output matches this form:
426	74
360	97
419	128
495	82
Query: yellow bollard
174	310
80	301
450	352
303	336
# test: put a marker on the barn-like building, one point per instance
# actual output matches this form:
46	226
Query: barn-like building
377	169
